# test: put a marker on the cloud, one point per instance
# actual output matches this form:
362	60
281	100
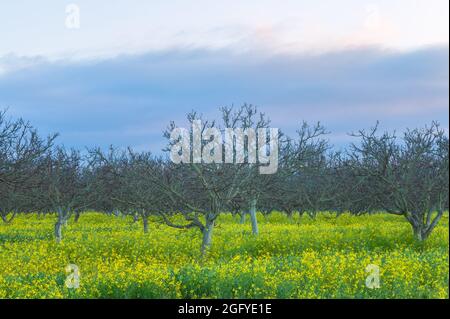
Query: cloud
112	27
129	99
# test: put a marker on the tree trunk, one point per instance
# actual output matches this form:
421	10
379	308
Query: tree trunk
242	221
418	234
7	220
253	217
58	231
62	221
207	236
77	217
290	214
145	222
421	229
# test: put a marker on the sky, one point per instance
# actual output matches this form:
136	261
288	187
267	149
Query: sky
116	72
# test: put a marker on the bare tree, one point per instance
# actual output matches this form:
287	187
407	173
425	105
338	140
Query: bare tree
250	121
66	186
200	190
407	177
21	152
307	182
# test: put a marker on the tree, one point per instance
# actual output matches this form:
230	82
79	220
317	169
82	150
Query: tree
407	177
66	186
205	182
307	180
134	189
250	122
21	153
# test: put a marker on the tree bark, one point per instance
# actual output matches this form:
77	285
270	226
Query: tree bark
58	231
145	222
423	230
418	233
77	217
253	217
61	221
242	221
207	236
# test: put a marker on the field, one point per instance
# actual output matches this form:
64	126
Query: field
291	258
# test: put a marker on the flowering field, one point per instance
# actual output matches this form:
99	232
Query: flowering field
291	258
